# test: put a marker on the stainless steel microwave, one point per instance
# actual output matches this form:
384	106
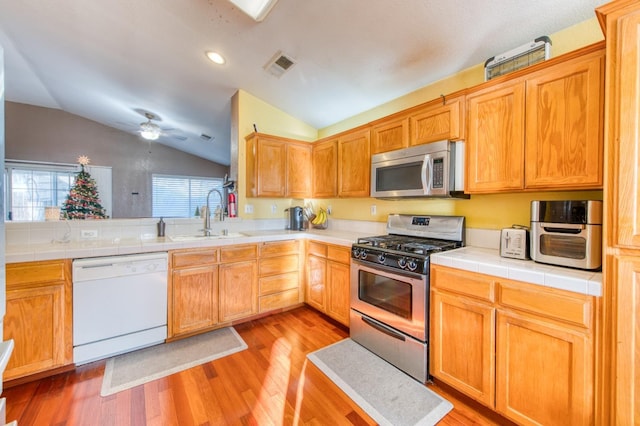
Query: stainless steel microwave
431	170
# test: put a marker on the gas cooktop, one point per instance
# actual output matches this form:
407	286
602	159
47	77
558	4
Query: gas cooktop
410	242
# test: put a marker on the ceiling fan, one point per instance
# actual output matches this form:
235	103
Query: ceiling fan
150	130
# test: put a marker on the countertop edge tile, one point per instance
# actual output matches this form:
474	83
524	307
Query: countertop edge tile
488	261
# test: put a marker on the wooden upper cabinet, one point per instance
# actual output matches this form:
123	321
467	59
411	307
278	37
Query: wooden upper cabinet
438	120
298	170
325	169
354	166
390	135
564	137
623	25
277	167
495	139
266	166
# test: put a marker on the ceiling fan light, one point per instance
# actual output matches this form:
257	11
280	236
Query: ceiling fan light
149	131
257	9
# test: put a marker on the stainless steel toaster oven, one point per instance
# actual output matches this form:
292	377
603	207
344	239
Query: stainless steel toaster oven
567	233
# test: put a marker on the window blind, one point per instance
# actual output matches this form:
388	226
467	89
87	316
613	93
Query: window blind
179	196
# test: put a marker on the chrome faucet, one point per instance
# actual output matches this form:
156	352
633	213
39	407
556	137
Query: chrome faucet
207	218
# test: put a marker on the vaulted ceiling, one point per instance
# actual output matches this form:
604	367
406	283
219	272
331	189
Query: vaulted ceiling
112	61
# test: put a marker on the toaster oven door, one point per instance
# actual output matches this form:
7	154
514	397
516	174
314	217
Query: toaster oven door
573	245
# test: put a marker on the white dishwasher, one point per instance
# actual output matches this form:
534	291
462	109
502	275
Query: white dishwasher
119	304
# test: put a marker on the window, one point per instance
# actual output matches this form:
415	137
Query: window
32	187
179	196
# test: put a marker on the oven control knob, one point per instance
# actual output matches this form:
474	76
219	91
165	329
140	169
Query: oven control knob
402	262
412	265
355	252
381	257
363	254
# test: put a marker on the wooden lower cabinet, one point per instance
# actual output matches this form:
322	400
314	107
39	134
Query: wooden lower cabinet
193	297
463	345
316	279
279	275
38	316
238	282
523	350
338	290
544	372
328	275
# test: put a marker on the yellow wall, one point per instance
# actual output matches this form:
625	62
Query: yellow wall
572	38
270	120
482	211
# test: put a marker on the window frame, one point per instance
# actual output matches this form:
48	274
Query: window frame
194	200
33	166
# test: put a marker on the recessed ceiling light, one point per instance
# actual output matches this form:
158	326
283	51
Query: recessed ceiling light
215	57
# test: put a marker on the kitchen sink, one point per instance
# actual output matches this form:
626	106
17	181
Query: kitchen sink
200	237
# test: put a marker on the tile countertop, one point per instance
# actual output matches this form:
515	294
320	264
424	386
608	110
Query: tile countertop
120	246
488	261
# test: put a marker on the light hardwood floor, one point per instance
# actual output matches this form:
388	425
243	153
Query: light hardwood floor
270	383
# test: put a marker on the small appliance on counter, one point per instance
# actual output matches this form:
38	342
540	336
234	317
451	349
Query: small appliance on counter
567	233
294	218
514	242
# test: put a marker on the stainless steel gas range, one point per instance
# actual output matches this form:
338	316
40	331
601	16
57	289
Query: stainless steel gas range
389	289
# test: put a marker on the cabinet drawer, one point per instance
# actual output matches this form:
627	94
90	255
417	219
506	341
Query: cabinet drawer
36	272
279	300
556	304
182	259
278	265
277	283
339	254
277	248
237	253
467	283
317	249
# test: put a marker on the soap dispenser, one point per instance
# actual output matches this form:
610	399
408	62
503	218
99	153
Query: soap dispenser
161	224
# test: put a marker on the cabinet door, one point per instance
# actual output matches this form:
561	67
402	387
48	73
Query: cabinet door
270	168
35	320
298	171
390	135
624	142
438	121
544	373
354	164
495	140
325	169
238	290
564	148
338	291
317	267
195	299
462	345
626	270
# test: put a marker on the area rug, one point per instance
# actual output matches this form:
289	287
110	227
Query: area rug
144	365
385	393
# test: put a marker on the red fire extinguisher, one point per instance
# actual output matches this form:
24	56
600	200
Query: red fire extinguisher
233	207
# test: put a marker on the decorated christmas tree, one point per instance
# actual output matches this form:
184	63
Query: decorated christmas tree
83	201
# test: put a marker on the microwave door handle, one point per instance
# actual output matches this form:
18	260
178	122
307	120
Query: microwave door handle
426	174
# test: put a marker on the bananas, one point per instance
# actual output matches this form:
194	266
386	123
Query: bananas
321	217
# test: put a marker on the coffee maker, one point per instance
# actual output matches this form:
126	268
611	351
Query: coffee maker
295	218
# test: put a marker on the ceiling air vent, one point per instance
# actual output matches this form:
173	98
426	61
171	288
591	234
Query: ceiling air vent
279	64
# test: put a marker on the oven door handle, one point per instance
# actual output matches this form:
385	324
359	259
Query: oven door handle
383	329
